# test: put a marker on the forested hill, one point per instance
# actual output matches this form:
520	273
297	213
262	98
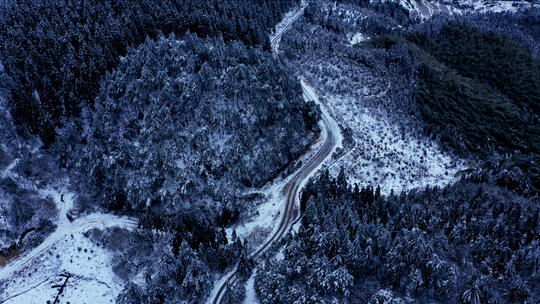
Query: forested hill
180	129
55	52
185	119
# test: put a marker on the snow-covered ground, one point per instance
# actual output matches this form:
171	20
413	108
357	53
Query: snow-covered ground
260	223
251	296
358	38
426	9
92	278
387	155
66	250
387	152
28	278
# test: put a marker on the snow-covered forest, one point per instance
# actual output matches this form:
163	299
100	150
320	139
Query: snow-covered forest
470	242
269	151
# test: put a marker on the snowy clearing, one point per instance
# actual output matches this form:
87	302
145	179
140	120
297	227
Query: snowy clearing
92	278
251	296
66	250
387	155
384	153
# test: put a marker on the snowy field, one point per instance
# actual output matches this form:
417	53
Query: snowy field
389	149
34	276
386	155
92	280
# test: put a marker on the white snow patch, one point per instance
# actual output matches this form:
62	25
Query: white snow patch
388	156
358	38
279	255
427	9
251	296
7	171
93	281
31	275
265	216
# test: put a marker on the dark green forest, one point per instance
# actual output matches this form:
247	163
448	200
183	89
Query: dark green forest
480	91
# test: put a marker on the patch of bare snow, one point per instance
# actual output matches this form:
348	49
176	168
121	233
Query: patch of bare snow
265	216
386	155
251	296
66	250
92	280
358	38
427	9
279	256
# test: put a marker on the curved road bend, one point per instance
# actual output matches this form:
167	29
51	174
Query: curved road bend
291	190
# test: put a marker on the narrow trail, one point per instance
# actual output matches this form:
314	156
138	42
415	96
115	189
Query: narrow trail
291	189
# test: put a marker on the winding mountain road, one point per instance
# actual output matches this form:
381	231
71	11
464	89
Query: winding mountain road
291	190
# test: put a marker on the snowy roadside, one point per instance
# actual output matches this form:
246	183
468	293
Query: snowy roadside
268	213
264	219
285	24
263	223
